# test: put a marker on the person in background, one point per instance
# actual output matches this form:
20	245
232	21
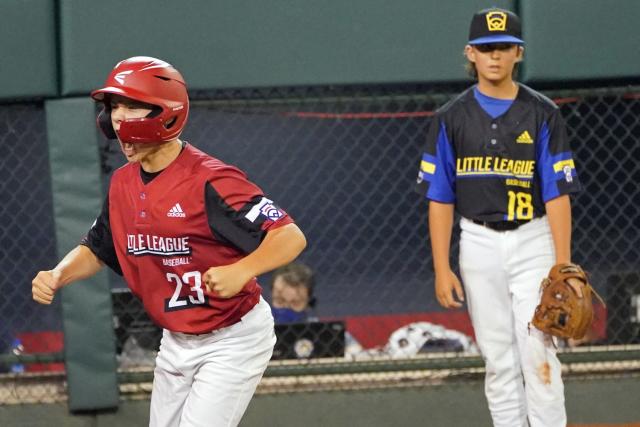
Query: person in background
292	298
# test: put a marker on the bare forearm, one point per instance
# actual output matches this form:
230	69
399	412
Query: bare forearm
440	225
559	214
78	264
279	247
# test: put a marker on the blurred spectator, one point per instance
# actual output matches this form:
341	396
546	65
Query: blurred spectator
293	301
292	297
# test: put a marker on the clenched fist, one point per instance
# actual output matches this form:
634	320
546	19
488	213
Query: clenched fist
226	281
45	285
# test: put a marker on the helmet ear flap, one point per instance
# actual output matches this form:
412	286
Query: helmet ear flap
104	123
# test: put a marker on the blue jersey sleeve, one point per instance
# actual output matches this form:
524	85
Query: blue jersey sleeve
436	176
555	165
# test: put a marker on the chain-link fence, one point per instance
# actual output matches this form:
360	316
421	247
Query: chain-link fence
343	161
28	245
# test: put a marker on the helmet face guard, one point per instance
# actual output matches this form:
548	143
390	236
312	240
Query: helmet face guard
151	81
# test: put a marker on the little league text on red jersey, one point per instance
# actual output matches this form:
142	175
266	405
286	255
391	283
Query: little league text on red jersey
148	244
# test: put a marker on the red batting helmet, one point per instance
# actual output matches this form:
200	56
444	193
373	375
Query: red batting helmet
151	81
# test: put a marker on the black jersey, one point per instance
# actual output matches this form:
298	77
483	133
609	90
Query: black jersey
498	169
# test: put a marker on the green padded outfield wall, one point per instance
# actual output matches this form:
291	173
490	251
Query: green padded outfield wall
218	44
89	339
28	46
581	39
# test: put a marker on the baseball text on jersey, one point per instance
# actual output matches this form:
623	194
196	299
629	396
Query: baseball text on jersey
148	244
174	262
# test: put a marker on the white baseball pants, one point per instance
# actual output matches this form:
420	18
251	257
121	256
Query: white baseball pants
502	272
209	379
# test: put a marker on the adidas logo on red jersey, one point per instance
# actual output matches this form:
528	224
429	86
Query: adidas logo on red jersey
176	212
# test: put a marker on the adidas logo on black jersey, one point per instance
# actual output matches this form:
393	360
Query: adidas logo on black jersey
524	138
176	212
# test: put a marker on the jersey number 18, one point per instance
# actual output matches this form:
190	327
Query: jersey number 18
520	206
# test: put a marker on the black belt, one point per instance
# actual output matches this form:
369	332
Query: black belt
501	225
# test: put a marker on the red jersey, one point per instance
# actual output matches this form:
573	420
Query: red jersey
196	214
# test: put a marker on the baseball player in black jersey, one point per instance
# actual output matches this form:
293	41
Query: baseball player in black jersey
498	154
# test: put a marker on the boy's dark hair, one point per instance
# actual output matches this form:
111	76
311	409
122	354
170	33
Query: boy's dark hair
298	275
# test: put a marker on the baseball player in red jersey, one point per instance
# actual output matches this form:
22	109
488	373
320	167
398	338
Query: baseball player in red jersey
499	155
189	234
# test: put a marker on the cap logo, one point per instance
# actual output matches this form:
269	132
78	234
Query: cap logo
496	21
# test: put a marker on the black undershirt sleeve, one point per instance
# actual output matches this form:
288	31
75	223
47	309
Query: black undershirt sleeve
231	226
100	241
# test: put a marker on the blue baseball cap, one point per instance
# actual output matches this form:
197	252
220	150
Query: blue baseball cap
495	26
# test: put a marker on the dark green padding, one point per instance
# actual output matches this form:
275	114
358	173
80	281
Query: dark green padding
581	39
28	46
257	43
89	340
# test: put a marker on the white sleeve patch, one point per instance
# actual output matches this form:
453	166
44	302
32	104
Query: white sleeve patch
264	207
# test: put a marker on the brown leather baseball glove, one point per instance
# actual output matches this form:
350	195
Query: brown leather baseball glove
565	309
